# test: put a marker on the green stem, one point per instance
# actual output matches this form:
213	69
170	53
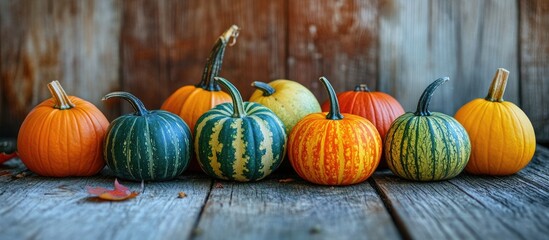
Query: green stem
425	99
59	95
238	103
362	88
334	113
137	105
264	87
214	62
497	88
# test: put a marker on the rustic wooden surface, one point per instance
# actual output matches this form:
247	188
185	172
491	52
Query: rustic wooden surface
151	48
384	207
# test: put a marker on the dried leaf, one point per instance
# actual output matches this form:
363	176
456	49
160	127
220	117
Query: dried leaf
286	180
5	157
20	175
4	173
218	185
182	195
119	193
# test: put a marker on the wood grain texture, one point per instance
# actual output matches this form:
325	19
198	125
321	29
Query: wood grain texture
75	42
534	59
295	210
45	208
424	40
473	207
335	39
165	44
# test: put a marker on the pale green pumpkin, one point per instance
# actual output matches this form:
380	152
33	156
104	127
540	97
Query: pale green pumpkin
289	100
427	146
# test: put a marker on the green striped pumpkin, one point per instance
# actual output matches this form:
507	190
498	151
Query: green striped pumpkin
146	145
425	146
241	141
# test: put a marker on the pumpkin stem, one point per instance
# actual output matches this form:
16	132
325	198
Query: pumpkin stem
425	99
214	62
362	88
137	105
497	88
59	95
264	87
334	113
238	104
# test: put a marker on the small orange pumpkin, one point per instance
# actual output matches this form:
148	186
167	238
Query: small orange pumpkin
378	107
63	136
333	148
190	102
502	137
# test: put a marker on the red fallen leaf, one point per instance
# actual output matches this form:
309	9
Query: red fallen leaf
5	157
119	193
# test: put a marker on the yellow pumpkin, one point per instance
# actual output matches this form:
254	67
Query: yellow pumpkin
502	137
289	100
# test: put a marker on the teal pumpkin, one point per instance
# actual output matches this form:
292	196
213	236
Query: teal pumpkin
425	146
146	145
241	141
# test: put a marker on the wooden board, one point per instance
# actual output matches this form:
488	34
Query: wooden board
335	39
75	42
386	207
36	207
165	44
421	41
295	210
534	59
468	207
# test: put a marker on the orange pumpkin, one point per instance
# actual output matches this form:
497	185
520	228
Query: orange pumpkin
502	137
333	148
379	108
63	136
190	102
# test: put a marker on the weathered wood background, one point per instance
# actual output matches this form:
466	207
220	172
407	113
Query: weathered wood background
151	48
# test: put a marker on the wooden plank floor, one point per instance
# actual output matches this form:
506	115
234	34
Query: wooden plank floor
384	207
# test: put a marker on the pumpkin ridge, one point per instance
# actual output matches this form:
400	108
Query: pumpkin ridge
402	143
523	125
352	107
488	119
359	142
322	155
47	136
82	118
341	153
388	142
91	121
149	144
433	149
416	145
215	144
162	128
241	165
499	115
128	155
301	148
522	134
444	121
445	167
